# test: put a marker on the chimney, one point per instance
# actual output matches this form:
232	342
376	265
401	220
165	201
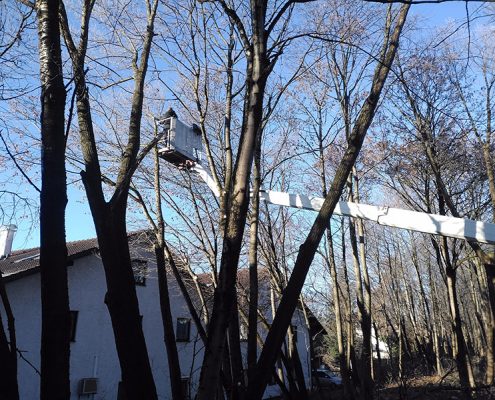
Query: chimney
6	237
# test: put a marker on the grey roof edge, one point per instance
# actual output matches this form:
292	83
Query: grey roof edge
24	262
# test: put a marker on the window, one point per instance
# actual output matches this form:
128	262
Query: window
140	269
183	329
73	325
184	383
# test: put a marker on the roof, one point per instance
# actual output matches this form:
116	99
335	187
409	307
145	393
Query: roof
264	277
25	262
22	262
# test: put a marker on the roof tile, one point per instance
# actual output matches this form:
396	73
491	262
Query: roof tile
23	261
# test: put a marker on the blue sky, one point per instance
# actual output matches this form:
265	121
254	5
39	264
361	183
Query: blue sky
79	221
437	14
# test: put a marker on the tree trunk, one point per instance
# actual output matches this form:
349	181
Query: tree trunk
377	376
461	352
168	325
435	315
344	370
402	386
273	306
428	337
480	331
490	334
252	345
110	217
161	266
183	289
358	258
308	249
235	355
295	367
225	292
461	356
55	326
367	353
366	391
121	300
350	353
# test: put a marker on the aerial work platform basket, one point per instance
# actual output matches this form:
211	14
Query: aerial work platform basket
181	144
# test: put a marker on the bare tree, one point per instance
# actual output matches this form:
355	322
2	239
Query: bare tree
308	248
110	216
428	125
14	20
477	106
162	255
55	327
263	45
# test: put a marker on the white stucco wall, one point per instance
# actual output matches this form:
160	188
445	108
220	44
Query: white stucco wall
94	346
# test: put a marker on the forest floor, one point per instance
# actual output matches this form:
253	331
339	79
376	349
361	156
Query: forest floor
427	388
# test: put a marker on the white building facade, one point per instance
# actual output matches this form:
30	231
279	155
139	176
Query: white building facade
93	352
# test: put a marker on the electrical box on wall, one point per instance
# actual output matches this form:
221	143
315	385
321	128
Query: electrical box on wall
88	386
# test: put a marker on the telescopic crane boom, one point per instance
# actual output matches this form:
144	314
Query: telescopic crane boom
182	146
460	228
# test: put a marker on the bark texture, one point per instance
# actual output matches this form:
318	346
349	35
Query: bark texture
110	216
237	206
252	347
168	325
55	326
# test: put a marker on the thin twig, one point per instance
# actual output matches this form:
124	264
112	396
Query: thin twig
17	165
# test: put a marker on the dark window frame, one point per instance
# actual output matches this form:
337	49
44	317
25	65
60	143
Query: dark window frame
185	383
186	337
74	315
140	271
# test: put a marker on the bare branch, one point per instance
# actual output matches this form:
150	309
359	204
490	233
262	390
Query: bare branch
12	157
235	20
281	12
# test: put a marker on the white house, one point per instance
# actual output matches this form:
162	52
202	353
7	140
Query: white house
93	352
382	346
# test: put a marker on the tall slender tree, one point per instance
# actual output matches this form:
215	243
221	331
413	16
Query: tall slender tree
55	326
308	249
261	57
14	21
110	216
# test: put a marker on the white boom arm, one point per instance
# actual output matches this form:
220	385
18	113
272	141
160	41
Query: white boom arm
203	173
460	228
